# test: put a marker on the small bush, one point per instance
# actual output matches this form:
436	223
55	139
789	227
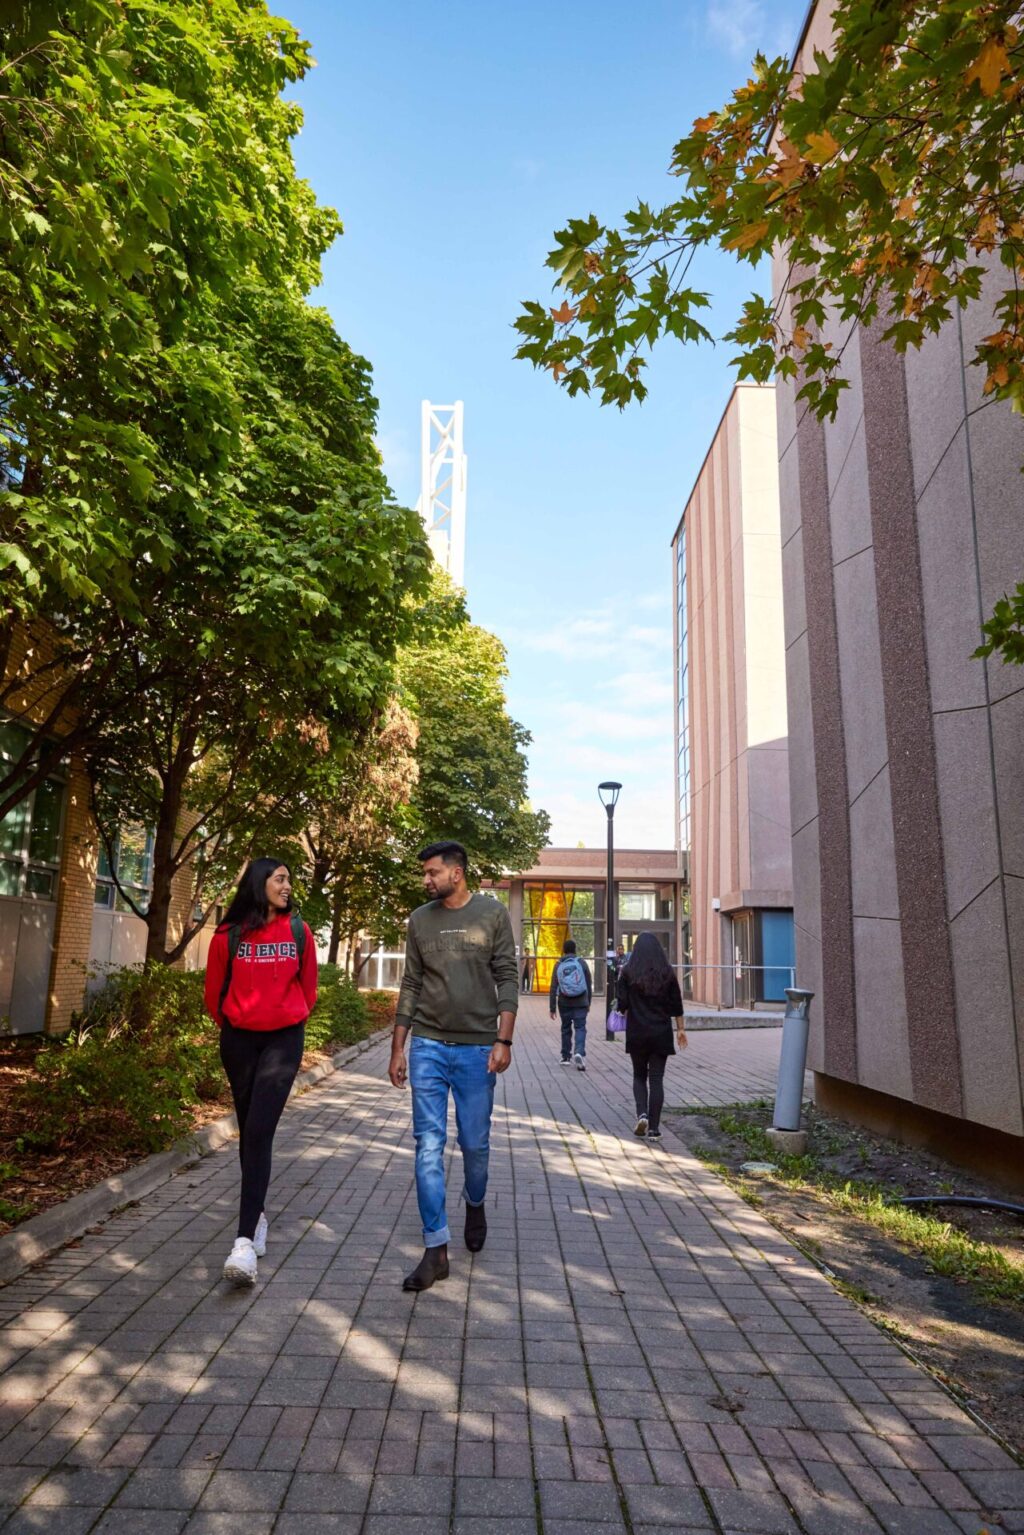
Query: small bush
140	1057
341	1016
132	1067
382	1006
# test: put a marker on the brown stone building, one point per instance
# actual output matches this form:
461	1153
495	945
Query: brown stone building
732	763
902	524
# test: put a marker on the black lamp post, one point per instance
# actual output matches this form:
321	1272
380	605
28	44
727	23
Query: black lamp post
608	793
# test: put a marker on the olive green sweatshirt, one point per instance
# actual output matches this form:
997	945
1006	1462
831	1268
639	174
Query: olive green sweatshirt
460	971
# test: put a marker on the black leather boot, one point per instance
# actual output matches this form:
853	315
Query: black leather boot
476	1227
431	1267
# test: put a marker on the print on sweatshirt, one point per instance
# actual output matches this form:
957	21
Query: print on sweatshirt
270	987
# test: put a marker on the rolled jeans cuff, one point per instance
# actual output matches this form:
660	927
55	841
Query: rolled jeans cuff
437	1238
474	1204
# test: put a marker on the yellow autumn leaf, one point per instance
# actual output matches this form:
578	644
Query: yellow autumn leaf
907	207
992	63
564	313
704	124
821	147
801	336
748	236
587	304
789	165
557	371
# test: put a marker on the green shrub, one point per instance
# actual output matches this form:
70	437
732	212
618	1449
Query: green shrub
382	1006
131	1069
341	1016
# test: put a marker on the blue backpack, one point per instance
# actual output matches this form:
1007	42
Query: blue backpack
572	980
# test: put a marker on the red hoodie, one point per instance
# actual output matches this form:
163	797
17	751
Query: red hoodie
268	989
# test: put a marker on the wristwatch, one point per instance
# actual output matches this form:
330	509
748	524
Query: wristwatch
507	1042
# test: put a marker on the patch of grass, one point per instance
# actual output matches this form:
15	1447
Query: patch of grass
949	1251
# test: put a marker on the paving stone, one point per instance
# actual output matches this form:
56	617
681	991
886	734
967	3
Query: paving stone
163	1489
474	1524
317	1524
683	1508
75	1487
39	1520
760	1513
222	1523
125	1521
501	1498
412	1495
579	1500
317	1493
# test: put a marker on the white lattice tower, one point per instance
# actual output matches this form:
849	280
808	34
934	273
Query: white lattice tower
442	502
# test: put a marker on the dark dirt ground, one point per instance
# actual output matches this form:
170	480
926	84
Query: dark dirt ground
975	1345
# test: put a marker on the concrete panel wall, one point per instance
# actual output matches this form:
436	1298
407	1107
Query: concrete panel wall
903	522
737	667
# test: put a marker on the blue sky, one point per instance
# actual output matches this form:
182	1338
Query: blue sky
453	139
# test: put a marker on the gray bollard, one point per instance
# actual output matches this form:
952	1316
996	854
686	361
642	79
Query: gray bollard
789	1091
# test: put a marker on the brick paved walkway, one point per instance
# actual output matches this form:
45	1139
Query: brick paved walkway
635	1349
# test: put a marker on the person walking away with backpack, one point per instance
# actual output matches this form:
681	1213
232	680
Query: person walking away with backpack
573	986
260	988
648	993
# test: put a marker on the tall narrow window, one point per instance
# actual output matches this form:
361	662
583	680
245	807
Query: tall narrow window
133	864
30	834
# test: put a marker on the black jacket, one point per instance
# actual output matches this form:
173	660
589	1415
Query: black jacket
649	1019
565	1003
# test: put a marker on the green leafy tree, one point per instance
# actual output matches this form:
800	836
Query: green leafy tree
445	760
359	806
266	652
146	177
888	174
471	754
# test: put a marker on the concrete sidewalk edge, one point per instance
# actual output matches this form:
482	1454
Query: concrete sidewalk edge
38	1237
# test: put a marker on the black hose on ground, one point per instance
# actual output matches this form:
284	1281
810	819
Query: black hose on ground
963	1199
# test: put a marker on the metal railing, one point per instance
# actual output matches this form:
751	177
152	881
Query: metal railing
735	973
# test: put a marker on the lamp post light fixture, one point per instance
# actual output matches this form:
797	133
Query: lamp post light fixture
608	793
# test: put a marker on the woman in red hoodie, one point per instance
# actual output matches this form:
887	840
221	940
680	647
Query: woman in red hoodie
260	988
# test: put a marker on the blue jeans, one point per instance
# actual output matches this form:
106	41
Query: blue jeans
573	1018
435	1069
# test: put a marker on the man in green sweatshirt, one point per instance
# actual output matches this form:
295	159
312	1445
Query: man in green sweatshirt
459	999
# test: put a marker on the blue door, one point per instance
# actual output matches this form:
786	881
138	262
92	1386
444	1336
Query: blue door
777	954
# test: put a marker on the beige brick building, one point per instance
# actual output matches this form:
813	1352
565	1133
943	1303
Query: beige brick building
61	919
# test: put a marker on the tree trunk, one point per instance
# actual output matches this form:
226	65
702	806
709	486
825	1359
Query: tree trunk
164	867
336	914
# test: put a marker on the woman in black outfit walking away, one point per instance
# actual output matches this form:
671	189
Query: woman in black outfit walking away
260	988
648	993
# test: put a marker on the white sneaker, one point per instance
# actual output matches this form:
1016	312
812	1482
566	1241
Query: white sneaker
259	1241
579	1062
565	1061
640	1128
241	1265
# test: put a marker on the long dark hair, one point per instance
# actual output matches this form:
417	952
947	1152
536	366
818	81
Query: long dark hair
249	907
648	968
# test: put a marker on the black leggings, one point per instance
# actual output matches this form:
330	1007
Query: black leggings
649	1086
261	1066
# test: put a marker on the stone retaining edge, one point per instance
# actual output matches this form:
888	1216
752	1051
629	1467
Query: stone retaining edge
42	1234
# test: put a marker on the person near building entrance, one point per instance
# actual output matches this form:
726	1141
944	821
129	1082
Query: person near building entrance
459	999
573	986
260	987
648	994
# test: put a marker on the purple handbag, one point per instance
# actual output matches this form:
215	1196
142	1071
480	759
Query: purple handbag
616	1022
